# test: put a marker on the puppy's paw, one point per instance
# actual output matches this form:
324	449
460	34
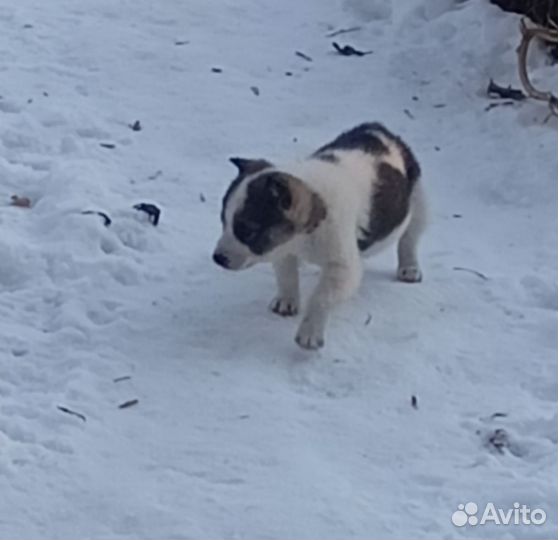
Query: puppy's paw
309	336
409	274
286	307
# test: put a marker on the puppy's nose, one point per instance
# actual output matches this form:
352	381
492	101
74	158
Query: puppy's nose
221	260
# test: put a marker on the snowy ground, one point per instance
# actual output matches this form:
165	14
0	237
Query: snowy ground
237	433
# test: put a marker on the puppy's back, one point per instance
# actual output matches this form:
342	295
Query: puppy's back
371	173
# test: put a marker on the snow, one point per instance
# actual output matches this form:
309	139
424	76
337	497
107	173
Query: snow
237	433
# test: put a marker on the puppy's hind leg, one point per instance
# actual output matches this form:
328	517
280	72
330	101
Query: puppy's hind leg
287	300
408	267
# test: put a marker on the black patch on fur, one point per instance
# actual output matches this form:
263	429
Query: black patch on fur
245	167
261	223
359	138
230	190
365	138
390	205
411	165
327	156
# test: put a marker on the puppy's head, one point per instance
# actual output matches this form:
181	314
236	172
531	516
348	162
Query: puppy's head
263	210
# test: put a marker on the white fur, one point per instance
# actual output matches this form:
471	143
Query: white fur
345	186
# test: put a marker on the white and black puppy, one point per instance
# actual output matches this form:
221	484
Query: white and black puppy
352	197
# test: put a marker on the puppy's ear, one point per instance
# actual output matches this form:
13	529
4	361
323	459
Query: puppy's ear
308	209
249	166
317	212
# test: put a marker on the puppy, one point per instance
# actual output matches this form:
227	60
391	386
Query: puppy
350	198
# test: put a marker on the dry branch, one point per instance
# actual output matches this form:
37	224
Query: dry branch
527	35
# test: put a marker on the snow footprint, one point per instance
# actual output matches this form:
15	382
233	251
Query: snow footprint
103	313
91	132
9	107
501	435
431	10
15	432
539	293
334	379
12	140
369	10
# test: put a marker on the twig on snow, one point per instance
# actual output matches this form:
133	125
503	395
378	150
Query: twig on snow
476	272
136	126
303	56
151	210
499	104
129	403
344	31
73	413
503	92
499	440
348	50
106	219
21	202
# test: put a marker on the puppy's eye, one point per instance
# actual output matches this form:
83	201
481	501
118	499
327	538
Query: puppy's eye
246	231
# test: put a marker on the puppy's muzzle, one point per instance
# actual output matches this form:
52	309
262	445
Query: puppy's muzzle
221	260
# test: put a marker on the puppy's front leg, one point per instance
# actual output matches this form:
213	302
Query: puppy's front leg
337	282
286	274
